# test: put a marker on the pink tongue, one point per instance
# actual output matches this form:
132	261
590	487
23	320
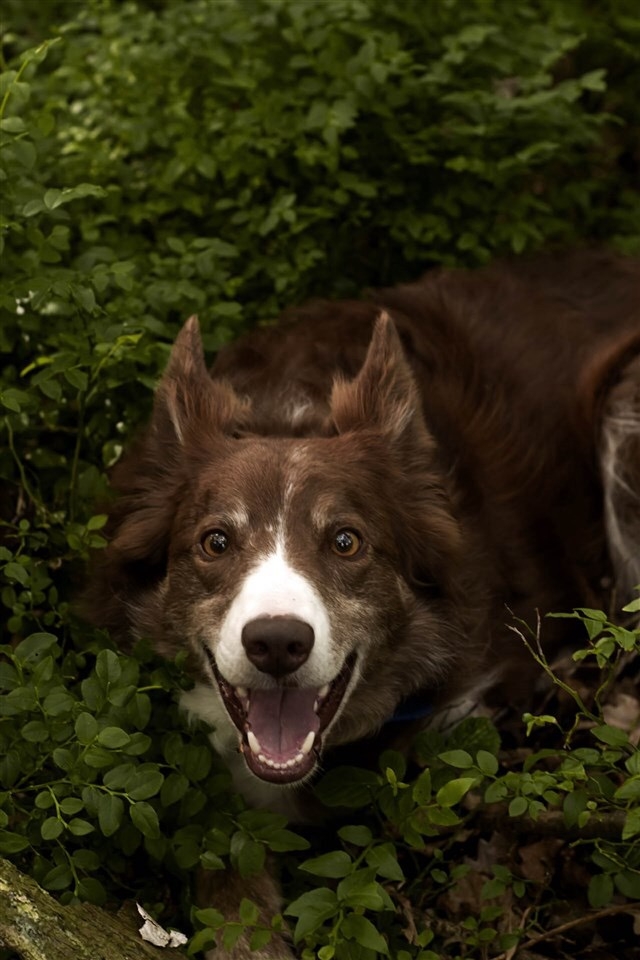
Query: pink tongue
281	720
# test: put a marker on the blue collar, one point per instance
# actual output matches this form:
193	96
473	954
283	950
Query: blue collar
411	708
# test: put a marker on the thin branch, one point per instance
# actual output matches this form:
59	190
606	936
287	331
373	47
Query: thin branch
570	924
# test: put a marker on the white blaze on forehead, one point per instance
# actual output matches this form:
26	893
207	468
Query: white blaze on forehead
273	588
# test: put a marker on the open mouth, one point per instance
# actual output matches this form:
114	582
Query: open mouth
281	729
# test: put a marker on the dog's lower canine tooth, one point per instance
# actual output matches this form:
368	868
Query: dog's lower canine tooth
242	692
308	743
253	742
323	691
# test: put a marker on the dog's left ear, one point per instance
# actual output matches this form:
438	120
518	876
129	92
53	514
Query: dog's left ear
188	397
384	395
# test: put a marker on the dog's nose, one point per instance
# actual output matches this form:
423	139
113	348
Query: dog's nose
277	645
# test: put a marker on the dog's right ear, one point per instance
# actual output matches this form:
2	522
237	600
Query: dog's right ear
383	396
187	396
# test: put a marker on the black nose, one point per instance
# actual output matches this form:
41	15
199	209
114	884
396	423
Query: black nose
277	645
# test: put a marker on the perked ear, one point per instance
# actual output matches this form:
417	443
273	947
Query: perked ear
187	394
384	395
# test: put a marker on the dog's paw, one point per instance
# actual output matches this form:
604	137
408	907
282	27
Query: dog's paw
226	891
277	949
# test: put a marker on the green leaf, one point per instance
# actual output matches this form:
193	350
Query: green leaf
31	649
473	734
518	806
358	835
384	859
281	841
108	668
358	928
347	787
487	762
248	912
457	758
113	737
573	805
146	783
12	125
210	917
422	788
173	789
600	890
58	702
51	828
631	826
629	790
59	878
312	909
110	813
210	861
16	572
453	791
145	818
79	827
628	883
360	890
633	606
259	939
35	732
335	864
201	940
612	736
92	891
86	727
12	842
247	855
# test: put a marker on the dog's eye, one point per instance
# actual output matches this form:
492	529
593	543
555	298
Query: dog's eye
346	543
214	543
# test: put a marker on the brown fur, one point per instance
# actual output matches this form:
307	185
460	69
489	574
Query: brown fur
467	446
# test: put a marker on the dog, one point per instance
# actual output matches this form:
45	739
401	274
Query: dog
348	509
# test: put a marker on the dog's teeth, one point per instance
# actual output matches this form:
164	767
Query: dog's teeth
308	743
253	742
323	691
243	693
262	758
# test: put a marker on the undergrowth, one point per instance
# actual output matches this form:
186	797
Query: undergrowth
167	158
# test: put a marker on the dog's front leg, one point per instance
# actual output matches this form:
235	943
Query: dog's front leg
224	890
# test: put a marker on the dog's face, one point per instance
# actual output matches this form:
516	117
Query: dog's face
276	565
308	578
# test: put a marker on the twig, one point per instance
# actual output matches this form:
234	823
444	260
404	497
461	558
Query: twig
511	952
570	924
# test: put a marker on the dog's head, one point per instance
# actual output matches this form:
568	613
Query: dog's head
312	580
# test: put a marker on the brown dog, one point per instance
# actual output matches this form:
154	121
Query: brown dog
339	514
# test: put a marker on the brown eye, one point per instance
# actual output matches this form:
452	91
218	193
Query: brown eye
346	543
214	543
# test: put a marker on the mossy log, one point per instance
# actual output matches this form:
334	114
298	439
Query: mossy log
36	927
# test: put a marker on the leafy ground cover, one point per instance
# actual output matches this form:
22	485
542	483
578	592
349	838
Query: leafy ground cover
164	158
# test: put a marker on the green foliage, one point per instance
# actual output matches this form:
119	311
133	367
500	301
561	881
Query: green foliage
162	158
